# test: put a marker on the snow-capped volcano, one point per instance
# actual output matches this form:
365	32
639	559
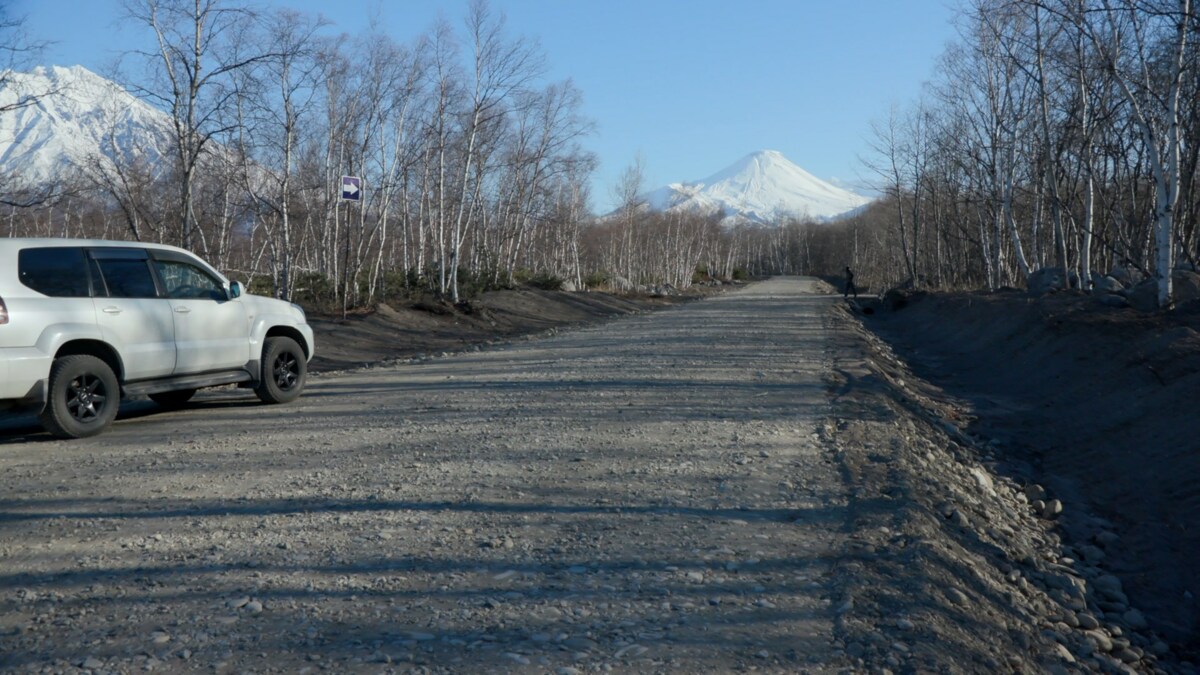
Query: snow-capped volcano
762	187
79	122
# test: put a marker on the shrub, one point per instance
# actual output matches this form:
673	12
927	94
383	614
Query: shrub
596	280
546	281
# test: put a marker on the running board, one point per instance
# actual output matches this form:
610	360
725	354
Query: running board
185	382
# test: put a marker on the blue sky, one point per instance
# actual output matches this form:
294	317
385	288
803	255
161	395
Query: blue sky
691	86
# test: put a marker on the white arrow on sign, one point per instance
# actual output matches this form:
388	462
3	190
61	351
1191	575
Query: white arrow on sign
350	188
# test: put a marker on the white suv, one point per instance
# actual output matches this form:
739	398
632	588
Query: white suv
84	322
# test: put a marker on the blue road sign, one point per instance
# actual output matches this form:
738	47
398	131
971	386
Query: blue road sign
351	188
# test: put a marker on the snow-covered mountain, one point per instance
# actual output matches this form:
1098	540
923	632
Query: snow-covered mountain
80	121
761	187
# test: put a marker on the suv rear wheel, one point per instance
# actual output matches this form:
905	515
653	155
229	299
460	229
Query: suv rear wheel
83	397
284	370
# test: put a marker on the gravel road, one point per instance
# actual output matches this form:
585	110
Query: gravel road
652	494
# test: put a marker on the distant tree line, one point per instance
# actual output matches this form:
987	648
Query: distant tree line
1055	133
474	176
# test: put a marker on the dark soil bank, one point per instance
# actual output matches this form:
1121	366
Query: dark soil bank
430	326
1100	405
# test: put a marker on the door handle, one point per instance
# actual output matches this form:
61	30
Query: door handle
112	310
182	310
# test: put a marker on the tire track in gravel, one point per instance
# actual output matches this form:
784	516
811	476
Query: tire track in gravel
651	494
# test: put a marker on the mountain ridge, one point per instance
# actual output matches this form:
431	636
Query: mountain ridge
84	123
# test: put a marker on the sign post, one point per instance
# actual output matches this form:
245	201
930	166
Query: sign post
351	189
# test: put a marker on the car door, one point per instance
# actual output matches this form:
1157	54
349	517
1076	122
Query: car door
211	329
132	315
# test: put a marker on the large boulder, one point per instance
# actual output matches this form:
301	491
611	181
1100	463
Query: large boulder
1106	284
1111	300
621	284
1127	274
1144	296
1050	279
1185	288
569	286
1186	285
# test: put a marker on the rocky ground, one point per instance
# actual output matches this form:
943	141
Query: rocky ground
1096	403
753	482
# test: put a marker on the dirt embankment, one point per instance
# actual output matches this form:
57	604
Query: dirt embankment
1099	405
424	327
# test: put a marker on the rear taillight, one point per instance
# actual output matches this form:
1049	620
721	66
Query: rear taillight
3	312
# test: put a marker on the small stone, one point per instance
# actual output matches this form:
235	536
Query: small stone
1108	584
419	636
1035	492
568	670
1102	641
160	638
238	603
91	663
956	596
1135	619
516	658
905	624
580	644
1064	653
1053	509
1087	621
695	576
254	607
630	650
960	519
1127	655
1092	554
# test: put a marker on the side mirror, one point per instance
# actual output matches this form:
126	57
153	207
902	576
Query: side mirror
235	290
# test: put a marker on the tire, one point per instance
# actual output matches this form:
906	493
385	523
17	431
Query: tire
172	400
284	371
83	397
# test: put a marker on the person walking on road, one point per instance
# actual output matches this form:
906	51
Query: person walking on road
850	287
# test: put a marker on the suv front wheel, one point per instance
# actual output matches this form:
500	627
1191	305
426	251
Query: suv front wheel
284	370
83	397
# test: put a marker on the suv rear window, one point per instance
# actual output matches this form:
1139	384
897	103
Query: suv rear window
60	272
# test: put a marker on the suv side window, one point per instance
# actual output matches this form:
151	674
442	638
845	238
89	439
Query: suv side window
185	281
59	272
125	272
